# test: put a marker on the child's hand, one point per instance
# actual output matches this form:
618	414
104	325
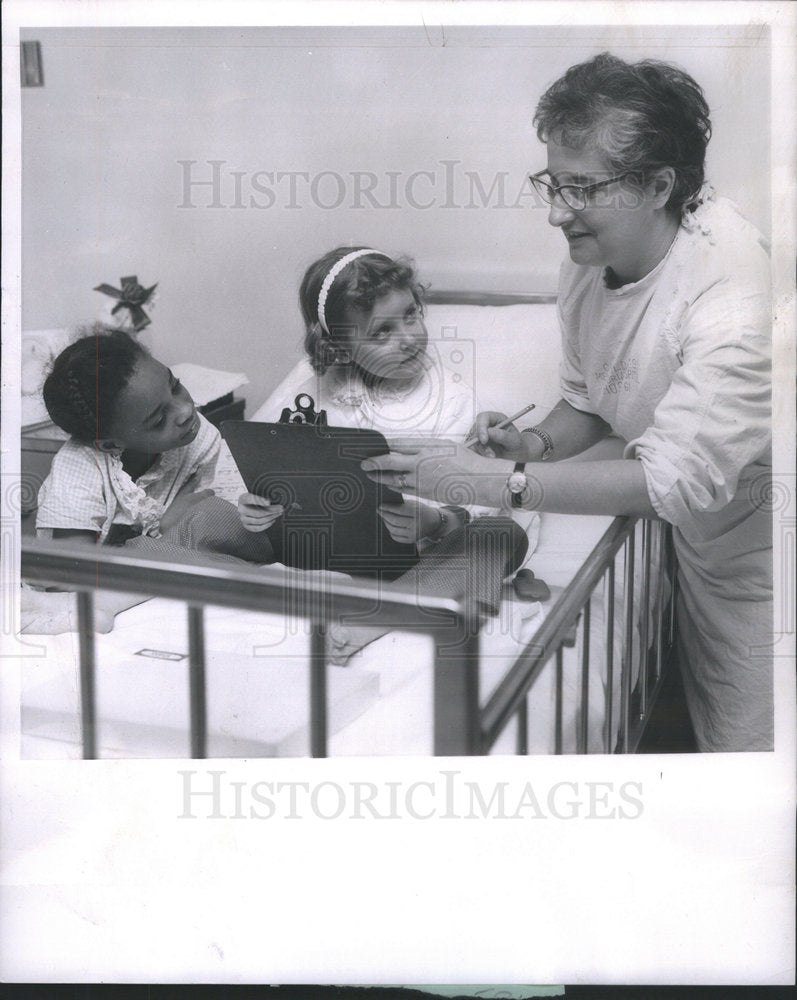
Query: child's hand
258	513
410	521
182	503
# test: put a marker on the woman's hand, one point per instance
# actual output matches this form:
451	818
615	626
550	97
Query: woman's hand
439	470
410	521
258	513
494	443
181	504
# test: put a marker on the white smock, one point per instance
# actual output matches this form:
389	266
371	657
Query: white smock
678	364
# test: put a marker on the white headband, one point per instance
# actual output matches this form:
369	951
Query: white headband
334	271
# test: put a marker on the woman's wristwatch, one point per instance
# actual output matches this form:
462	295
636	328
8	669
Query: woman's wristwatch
518	486
545	437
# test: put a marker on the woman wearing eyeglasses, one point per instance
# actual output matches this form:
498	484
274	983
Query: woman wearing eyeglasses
664	311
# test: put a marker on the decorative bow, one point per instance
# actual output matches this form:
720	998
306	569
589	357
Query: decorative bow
131	297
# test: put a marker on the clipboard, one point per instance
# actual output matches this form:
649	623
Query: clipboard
330	520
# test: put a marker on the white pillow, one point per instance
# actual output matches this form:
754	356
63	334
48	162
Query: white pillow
270	410
508	354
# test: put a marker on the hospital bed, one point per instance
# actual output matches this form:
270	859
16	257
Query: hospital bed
231	661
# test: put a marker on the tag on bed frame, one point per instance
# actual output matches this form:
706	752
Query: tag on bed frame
160	654
304	413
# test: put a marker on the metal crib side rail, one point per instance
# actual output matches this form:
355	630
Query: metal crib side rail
461	727
509	696
86	569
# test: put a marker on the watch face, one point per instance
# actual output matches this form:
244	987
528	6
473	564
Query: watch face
516	482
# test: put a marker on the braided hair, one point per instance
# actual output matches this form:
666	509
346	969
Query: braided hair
84	383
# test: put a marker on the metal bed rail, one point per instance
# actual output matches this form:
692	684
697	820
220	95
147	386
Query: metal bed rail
455	635
461	725
642	663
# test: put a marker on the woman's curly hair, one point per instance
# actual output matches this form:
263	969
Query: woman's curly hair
359	285
642	116
84	383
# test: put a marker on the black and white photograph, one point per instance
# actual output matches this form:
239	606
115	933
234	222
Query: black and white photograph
398	494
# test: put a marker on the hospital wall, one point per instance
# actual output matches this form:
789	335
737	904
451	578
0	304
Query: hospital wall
220	162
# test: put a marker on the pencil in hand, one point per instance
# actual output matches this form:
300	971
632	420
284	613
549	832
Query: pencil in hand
473	438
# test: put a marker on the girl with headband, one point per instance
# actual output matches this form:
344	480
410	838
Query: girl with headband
367	342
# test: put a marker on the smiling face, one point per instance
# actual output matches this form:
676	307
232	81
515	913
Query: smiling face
625	226
154	412
388	342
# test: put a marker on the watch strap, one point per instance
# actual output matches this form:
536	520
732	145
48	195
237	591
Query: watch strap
516	494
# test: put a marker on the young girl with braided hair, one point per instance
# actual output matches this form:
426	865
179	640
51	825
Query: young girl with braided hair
140	458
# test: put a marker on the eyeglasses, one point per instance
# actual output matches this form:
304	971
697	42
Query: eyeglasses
576	196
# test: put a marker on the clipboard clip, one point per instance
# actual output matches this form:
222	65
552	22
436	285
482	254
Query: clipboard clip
304	413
